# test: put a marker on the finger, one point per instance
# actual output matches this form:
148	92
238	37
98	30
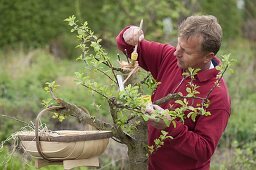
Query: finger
128	35
156	124
149	109
156	107
135	36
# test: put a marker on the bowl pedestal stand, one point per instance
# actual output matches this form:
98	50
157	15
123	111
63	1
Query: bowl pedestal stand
69	164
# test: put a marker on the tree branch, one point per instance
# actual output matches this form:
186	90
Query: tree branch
174	96
143	81
95	91
84	116
107	75
125	138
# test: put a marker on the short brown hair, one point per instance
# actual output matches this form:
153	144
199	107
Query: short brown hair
206	26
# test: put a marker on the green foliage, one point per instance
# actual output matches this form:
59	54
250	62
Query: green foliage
38	23
245	155
242	91
132	11
131	96
9	126
22	78
227	13
151	83
249	9
51	86
159	142
94	57
33	23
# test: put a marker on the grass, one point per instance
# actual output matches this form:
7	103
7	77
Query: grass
22	162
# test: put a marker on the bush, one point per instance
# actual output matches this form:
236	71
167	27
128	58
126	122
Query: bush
31	22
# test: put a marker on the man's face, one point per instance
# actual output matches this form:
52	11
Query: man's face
189	54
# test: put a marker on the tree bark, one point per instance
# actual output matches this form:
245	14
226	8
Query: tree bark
137	150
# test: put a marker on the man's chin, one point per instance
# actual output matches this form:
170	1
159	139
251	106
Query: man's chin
180	65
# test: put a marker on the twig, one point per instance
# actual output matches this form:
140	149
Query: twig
144	80
123	106
52	94
127	57
95	91
106	61
107	64
128	120
116	140
174	96
217	82
118	56
106	75
21	121
112	70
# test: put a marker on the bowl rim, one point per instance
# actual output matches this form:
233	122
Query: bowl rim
92	135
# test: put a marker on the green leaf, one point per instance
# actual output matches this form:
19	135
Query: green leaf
193	116
189	114
190	95
180	102
188	90
167	122
145	118
164	132
174	123
191	108
157	141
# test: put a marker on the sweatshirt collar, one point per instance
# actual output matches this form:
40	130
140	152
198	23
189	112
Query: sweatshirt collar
210	73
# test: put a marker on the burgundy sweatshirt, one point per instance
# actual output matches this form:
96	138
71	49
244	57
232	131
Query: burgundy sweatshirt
194	142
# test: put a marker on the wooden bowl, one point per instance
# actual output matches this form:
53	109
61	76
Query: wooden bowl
66	144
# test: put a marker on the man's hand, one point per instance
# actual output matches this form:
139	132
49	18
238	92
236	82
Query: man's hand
158	123
133	35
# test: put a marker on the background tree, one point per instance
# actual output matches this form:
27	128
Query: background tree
227	13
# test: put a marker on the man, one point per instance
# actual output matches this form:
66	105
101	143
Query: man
199	40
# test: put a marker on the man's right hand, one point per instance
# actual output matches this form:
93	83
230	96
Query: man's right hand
133	35
158	123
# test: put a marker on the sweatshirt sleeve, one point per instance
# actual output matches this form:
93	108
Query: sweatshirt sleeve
150	54
200	143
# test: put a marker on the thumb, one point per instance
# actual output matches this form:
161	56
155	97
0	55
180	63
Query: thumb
141	37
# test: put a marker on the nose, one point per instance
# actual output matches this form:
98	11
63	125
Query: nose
178	52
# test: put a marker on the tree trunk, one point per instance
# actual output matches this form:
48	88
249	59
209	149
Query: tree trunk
137	157
137	150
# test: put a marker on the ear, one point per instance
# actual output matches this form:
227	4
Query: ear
208	57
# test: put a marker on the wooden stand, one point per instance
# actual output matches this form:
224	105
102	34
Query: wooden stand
69	164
